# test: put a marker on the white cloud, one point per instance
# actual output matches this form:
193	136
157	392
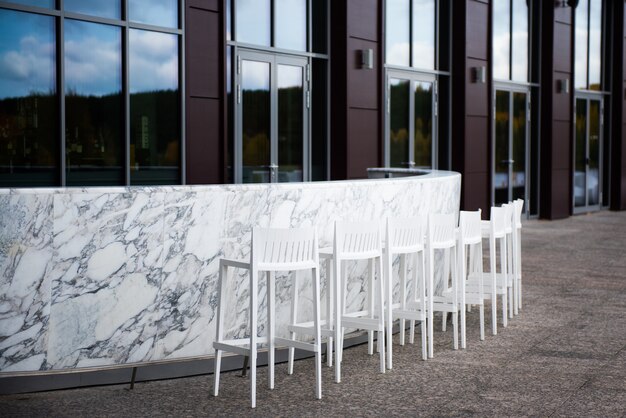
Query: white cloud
153	61
27	68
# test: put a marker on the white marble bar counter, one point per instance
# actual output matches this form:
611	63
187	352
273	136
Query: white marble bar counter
94	277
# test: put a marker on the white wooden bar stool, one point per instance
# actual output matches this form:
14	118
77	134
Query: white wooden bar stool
405	237
494	283
355	241
441	236
470	243
272	250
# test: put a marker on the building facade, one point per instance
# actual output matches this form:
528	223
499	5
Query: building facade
525	98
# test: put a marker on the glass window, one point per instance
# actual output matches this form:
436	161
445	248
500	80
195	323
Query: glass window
423	143
291	28
519	41
154	12
154	108
399	91
93	103
28	101
290	122
101	8
424	34
580	67
319	21
39	3
595	44
501	39
253	21
397	27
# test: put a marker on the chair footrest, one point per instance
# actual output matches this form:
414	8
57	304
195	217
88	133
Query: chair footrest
307	328
409	314
232	348
301	345
371	324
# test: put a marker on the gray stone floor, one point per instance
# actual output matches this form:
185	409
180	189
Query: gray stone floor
564	355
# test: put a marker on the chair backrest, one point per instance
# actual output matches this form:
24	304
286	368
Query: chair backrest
518	209
508	217
278	249
470	227
357	240
498	221
405	235
441	230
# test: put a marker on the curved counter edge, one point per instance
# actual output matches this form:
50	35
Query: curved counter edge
98	277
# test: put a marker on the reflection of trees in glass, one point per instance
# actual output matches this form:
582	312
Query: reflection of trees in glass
399	123
502	134
256	127
28	140
519	136
423	124
290	127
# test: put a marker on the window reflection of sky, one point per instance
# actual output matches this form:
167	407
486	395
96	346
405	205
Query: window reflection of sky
595	44
253	21
153	61
39	3
501	39
520	41
505	54
424	34
397	32
27	51
154	12
110	9
291	24
93	58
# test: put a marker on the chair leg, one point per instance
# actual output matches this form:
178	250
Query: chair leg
381	315
386	279
494	300
444	320
503	269
455	329
482	321
271	299
219	329
330	301
294	319
318	333
402	299
253	334
431	291
370	306
424	342
338	303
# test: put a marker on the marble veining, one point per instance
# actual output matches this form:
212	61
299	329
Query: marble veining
105	276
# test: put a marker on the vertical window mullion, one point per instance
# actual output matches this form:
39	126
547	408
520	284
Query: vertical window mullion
510	39
588	44
61	90
410	17
181	93
126	89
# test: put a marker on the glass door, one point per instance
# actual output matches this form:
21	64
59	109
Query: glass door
272	107
587	154
511	130
411	126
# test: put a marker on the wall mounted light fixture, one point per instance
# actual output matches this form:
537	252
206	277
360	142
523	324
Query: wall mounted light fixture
367	59
479	75
562	86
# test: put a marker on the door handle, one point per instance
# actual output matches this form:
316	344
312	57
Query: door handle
272	167
410	164
587	160
507	161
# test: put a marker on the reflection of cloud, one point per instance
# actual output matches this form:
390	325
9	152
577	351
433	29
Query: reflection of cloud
501	48
153	61
154	12
289	76
398	54
93	59
110	9
520	55
255	75
28	68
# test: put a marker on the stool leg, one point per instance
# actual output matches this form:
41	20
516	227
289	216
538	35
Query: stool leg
219	328
344	305
422	296
504	290
431	291
370	305
338	296
386	277
446	281
330	301
402	297
294	313
254	289
318	333
509	274
460	282
381	315
271	299
494	284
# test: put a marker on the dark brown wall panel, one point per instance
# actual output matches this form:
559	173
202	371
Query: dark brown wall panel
203	150
477	145
561	194
205	4
476	193
363	19
561	145
562	50
362	83
477	23
363	145
477	94
203	53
